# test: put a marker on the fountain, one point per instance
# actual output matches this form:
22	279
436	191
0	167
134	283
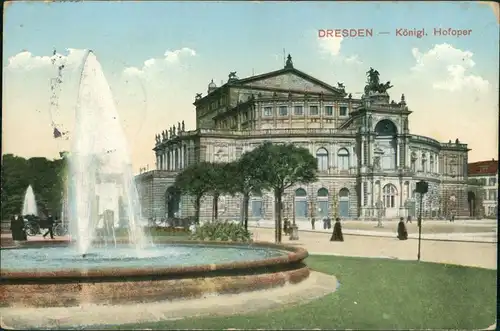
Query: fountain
99	166
29	204
99	267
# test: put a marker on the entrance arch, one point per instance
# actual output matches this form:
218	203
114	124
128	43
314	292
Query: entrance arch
386	145
323	205
344	202
301	210
173	201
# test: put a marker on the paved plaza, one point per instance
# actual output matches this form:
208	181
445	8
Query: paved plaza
361	243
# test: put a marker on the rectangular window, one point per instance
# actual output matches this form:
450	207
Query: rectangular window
313	110
493	181
283	111
329	110
343	111
298	110
492	195
268	111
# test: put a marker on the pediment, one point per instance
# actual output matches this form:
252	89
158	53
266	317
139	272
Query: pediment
291	81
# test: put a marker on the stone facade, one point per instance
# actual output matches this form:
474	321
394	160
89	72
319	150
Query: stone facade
485	174
368	160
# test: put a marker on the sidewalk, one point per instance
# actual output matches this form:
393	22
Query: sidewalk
486	237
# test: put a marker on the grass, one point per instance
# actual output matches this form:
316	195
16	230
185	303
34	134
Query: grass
375	294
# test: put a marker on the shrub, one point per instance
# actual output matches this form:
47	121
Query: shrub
222	231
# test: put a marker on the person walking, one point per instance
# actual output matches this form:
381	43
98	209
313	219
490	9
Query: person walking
49	222
337	234
408	219
402	231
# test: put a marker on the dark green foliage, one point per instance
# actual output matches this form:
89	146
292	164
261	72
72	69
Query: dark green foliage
283	166
244	176
45	176
222	231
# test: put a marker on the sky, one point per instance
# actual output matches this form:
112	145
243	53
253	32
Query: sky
157	55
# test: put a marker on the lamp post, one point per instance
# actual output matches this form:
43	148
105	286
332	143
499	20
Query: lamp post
422	188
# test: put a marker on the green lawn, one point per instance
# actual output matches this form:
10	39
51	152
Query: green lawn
375	294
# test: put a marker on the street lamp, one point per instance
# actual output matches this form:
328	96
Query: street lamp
422	188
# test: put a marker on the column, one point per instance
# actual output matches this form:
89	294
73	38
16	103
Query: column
171	162
333	155
157	162
165	161
372	196
362	204
363	158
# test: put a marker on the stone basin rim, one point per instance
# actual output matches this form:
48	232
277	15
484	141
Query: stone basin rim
295	256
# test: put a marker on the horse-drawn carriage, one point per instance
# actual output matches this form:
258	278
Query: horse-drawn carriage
33	224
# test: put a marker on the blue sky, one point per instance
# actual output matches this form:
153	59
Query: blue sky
248	37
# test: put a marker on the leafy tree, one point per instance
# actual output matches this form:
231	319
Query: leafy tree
45	176
283	166
245	177
193	181
217	180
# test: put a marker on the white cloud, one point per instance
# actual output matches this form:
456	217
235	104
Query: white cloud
25	60
448	68
354	59
331	46
157	64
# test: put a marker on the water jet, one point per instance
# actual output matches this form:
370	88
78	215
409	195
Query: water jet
108	269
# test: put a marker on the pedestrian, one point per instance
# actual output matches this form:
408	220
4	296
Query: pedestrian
402	231
452	218
408	219
313	222
337	231
49	223
324	223
328	222
17	228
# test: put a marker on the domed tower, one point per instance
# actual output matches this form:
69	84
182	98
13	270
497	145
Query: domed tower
211	86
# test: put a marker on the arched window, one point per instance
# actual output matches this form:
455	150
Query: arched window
300	192
389	193
322	157
323	205
343	204
431	164
424	163
301	210
386	128
343	158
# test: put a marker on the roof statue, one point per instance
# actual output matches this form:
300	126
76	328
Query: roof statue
289	62
173	130
178	126
232	76
341	86
373	84
183	127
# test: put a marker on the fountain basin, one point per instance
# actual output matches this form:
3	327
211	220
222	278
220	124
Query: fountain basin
112	284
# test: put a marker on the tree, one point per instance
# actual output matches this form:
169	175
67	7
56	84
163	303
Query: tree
192	181
246	176
283	166
45	176
218	183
